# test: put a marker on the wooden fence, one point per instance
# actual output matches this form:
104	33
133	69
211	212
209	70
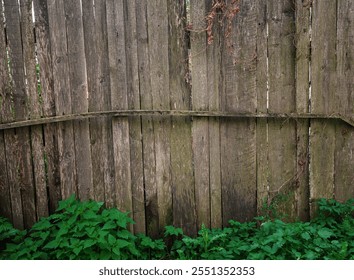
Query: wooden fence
125	101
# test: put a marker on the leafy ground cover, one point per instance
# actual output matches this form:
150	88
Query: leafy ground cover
87	230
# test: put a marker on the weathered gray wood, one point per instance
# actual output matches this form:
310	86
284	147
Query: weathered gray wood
324	85
344	150
44	57
5	113
214	80
238	138
175	113
149	162
157	16
302	41
135	126
262	92
181	134
96	52
66	145
34	107
281	134
79	92
22	174
200	101
119	100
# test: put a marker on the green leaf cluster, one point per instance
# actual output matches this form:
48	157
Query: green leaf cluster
81	231
87	230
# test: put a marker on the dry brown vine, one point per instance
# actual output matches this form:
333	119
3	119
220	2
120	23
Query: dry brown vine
222	12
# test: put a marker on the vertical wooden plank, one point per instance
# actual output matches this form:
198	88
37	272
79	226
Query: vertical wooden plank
282	138
214	80
181	136
66	145
135	133
262	107
78	87
5	114
157	16
238	136
8	98
344	150
34	107
96	52
324	85
149	162
302	41
21	177
200	102
119	100
51	153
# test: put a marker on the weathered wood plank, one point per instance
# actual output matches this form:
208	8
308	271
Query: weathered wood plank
135	125
282	137
51	155
149	162
158	38
34	107
79	91
262	107
214	80
238	138
344	150
200	101
302	41
98	83
323	84
181	135
119	99
5	113
22	174
63	101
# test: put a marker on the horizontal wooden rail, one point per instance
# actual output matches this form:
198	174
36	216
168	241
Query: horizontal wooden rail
172	113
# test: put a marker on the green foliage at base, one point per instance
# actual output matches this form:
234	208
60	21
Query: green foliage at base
87	230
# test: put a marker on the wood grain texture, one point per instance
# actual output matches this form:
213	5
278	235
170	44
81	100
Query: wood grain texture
159	75
34	108
79	94
303	44
282	95
200	101
262	107
182	176
238	138
5	110
135	123
148	141
344	97
99	98
119	99
44	57
323	84
66	145
20	152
